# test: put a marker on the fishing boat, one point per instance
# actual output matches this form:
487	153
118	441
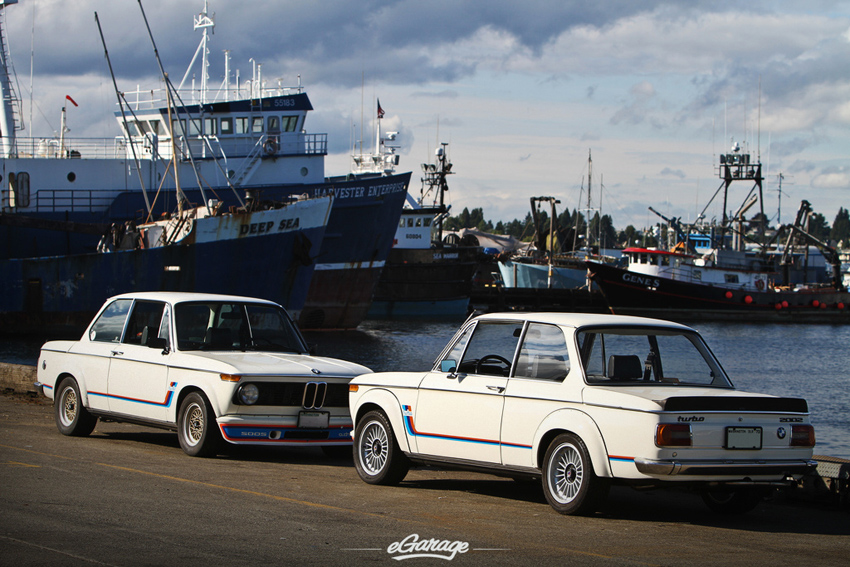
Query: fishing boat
241	143
266	253
799	281
425	274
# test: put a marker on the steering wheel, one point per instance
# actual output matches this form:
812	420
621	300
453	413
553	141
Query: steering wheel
501	359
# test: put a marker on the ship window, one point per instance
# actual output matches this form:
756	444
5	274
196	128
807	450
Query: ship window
144	127
195	127
257	124
19	189
428	222
227	125
401	223
289	123
410	223
156	127
178	127
418	222
665	260
242	125
273	124
210	126
731	278
642	259
134	130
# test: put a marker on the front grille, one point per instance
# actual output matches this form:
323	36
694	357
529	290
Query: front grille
300	393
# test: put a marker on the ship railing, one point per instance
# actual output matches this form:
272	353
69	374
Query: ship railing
155	98
75	200
70	148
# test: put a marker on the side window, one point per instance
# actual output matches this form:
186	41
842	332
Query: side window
491	348
144	322
457	350
110	324
227	126
543	354
257	124
210	127
242	125
273	125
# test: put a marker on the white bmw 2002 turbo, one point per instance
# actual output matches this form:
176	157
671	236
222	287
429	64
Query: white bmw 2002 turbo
213	367
581	401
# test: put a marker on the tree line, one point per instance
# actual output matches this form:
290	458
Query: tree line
602	233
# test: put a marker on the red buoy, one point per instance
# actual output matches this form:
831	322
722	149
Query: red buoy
778	306
784	304
816	303
840	306
728	295
748	299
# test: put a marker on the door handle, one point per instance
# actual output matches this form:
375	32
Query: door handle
117	353
498	389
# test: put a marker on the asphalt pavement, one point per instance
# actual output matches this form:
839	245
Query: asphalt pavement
127	495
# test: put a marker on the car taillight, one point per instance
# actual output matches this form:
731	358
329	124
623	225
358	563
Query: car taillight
673	435
802	436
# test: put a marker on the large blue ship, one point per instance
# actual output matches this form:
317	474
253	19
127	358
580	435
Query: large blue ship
239	146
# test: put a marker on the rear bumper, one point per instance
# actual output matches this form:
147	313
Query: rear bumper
725	468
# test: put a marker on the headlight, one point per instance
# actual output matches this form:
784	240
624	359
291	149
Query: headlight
248	394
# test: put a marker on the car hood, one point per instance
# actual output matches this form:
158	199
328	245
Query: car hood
651	398
271	363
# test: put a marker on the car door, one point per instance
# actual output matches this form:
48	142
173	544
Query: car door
536	389
138	376
458	413
94	352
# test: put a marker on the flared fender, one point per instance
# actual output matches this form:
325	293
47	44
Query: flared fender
580	424
391	406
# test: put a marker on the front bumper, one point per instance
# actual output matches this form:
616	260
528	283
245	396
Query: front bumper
725	468
276	430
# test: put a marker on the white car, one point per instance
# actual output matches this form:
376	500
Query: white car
214	367
581	401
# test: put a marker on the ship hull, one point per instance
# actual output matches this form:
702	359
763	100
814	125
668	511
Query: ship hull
426	282
632	293
267	254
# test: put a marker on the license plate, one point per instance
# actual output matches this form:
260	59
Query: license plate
313	419
743	437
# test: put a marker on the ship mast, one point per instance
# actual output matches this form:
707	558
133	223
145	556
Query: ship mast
9	122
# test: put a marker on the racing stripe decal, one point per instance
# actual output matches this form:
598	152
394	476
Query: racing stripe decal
166	403
413	432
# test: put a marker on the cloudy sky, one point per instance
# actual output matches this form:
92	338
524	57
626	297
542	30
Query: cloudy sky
522	91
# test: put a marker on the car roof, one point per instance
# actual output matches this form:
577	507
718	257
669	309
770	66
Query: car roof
181	297
583	319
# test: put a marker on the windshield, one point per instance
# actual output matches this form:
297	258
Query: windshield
223	326
648	356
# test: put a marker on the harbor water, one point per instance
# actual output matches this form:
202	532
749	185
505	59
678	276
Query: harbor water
808	361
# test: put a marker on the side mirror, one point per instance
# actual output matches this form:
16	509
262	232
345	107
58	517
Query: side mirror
156	342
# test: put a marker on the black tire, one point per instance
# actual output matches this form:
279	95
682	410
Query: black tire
569	483
197	429
377	456
72	418
734	501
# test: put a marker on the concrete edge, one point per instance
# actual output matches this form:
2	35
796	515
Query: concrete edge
17	378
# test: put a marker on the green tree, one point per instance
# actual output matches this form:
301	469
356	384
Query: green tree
818	227
841	228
